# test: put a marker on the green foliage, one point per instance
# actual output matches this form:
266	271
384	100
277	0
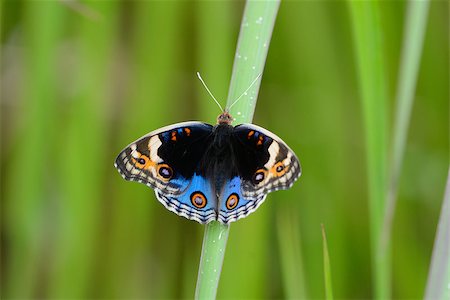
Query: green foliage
326	268
211	260
82	79
439	274
372	81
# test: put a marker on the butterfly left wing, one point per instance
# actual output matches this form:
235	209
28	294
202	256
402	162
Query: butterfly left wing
264	164
167	160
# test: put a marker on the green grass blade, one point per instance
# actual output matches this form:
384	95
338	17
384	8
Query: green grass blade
414	32
289	245
439	275
370	64
326	267
254	38
213	251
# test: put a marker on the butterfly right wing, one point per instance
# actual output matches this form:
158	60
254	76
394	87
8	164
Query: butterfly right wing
264	164
167	160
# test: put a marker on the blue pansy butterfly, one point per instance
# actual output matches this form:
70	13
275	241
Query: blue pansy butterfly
210	173
207	173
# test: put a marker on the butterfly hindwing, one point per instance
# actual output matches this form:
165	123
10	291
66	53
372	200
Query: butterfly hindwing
233	205
197	202
167	160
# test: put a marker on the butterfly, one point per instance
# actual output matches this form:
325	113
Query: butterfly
210	173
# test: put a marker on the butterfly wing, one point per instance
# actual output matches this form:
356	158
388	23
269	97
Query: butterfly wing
167	160
264	164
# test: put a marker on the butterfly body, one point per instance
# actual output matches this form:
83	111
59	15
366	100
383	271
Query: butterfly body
206	173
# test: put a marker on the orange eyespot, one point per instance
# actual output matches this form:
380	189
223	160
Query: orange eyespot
198	199
259	176
142	162
165	171
232	201
250	134
279	169
187	131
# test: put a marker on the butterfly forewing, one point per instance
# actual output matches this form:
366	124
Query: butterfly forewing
269	163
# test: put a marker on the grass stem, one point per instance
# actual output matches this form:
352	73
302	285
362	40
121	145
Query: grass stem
439	275
371	66
326	267
254	39
414	32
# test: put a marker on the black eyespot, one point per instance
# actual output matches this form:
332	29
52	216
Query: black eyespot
259	176
280	168
165	171
141	161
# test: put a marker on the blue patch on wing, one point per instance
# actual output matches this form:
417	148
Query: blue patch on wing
182	204
231	211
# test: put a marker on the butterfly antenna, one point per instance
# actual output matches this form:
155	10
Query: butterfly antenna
204	84
253	82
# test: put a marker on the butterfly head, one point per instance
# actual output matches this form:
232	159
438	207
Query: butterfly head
224	118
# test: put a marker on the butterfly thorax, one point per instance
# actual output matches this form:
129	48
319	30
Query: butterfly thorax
218	158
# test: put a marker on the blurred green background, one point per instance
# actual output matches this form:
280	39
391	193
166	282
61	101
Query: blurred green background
82	79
